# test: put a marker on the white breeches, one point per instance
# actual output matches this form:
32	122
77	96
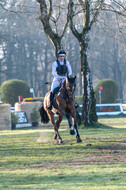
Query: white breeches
56	83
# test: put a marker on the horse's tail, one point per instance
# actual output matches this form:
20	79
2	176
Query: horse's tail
43	114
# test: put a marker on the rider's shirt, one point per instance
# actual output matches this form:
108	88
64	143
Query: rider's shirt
55	82
55	66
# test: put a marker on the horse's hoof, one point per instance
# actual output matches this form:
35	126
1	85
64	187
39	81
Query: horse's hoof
79	140
55	137
60	141
72	132
56	142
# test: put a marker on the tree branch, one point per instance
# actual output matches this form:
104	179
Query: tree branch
119	4
71	19
98	8
7	9
114	11
111	8
47	16
16	12
50	8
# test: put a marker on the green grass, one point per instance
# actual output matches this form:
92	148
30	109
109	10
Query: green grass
29	158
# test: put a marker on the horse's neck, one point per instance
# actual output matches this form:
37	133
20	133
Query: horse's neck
62	92
63	89
66	94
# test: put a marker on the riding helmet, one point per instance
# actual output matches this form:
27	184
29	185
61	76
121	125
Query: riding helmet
61	53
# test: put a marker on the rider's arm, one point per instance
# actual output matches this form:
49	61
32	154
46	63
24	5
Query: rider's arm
54	66
69	68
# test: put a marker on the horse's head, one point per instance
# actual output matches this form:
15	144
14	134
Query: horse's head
70	84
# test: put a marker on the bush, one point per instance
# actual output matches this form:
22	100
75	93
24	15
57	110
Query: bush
11	89
34	116
14	118
109	92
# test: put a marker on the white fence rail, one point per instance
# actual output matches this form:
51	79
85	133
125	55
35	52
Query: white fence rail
109	109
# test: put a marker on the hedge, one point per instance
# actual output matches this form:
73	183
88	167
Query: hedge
109	93
11	89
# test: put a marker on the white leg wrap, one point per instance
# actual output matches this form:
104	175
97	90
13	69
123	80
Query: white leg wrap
71	127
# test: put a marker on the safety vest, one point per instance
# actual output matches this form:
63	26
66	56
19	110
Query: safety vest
61	69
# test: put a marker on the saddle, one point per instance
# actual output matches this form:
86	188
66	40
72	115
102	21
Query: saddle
56	90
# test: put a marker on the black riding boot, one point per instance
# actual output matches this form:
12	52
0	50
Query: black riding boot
51	101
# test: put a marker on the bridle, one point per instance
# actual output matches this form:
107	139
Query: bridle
71	90
67	92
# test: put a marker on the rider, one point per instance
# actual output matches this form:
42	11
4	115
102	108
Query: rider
61	67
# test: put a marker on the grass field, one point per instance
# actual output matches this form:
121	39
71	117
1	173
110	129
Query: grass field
29	159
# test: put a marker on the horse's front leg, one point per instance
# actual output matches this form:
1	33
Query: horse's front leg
76	130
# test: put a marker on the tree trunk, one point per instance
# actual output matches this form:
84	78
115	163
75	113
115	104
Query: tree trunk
86	81
83	39
117	73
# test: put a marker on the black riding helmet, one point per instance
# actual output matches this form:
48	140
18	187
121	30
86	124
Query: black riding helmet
61	53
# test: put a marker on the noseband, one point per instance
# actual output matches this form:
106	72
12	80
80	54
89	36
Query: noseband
67	90
70	88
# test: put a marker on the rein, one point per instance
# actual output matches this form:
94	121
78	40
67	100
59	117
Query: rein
66	94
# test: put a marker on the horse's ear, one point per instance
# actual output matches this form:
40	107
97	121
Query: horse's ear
75	77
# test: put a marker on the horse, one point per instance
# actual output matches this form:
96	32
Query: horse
63	105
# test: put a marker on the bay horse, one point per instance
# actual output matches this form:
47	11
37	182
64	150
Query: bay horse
63	104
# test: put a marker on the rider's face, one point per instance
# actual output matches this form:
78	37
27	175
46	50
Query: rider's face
61	58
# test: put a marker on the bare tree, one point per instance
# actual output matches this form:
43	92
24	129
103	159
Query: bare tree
87	16
50	21
115	6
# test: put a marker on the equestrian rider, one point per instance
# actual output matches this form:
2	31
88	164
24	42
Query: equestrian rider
60	68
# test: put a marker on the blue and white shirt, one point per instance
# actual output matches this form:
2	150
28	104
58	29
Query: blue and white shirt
55	65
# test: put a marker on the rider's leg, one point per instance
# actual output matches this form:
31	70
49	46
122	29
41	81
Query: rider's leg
51	101
55	84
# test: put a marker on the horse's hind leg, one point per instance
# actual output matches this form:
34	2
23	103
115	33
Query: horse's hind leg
72	132
56	136
77	133
59	119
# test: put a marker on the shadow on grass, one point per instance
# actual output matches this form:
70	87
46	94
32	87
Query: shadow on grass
112	116
96	126
99	125
63	180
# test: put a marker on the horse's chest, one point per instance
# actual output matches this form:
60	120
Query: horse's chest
69	107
